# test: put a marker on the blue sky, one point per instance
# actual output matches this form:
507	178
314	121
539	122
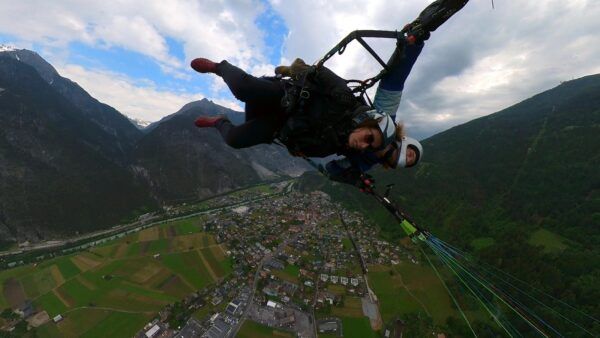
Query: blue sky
134	55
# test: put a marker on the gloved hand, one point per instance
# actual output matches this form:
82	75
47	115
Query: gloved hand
296	68
365	182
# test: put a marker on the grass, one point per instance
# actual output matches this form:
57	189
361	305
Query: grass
74	290
79	321
292	270
482	242
189	266
134	249
347	243
187	226
551	242
38	283
411	288
117	324
51	304
159	246
215	265
252	329
357	327
67	268
48	330
121	276
352	308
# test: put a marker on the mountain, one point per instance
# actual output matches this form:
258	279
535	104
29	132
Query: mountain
69	163
121	132
536	161
182	162
59	171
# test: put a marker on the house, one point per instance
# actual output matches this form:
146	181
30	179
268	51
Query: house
153	331
26	309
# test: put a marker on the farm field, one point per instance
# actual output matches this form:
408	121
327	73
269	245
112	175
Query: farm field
551	242
252	329
112	290
410	288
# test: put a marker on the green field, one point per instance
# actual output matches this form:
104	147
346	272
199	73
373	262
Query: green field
38	283
551	242
411	288
221	265
51	304
357	327
187	226
115	288
252	329
67	268
347	243
189	266
482	242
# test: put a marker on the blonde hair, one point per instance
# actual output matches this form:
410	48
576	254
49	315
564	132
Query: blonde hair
400	132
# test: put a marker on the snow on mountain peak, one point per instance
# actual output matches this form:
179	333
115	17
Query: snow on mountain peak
7	48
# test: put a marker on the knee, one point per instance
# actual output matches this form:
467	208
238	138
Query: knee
234	142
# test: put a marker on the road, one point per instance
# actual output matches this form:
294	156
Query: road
265	259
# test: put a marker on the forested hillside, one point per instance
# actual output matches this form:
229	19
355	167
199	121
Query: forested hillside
518	188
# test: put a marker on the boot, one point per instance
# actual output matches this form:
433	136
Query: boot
208	121
431	18
202	65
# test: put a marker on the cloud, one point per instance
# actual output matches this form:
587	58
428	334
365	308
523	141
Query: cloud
481	61
136	98
215	29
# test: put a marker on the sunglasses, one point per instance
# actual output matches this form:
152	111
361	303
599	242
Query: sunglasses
370	139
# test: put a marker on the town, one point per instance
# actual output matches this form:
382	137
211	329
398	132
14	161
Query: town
292	264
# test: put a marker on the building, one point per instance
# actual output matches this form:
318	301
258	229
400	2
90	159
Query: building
232	307
328	326
153	331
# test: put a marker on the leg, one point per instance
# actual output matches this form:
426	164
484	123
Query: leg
253	132
246	87
389	92
401	63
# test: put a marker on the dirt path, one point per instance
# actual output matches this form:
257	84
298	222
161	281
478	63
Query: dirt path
410	293
62	298
57	275
208	267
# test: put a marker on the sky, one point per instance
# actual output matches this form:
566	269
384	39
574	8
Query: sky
134	54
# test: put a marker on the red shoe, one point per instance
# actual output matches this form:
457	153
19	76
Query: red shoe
202	65
208	121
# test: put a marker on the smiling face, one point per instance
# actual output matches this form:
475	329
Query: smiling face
392	161
365	138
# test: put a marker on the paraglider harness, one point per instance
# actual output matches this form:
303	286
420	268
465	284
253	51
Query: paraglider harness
346	100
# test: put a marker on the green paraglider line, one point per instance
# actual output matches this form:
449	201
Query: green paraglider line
447	256
507	279
443	251
485	306
449	292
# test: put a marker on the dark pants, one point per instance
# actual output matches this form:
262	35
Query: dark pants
264	114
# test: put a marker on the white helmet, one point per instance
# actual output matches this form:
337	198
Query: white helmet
403	145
